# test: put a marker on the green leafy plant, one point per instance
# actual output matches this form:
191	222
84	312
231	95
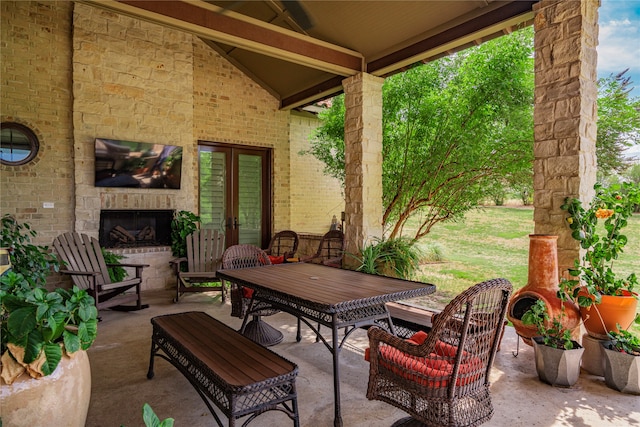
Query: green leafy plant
116	273
182	224
551	330
35	322
35	262
624	342
602	242
152	420
396	256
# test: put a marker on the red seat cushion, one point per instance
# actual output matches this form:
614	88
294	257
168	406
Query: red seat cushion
432	371
247	292
276	259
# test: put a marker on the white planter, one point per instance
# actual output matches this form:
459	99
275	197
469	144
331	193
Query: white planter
560	368
59	399
621	370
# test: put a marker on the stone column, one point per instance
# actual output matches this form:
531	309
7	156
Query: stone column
565	114
363	160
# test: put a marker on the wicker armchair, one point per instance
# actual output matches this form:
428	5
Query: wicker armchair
330	250
283	245
243	256
442	379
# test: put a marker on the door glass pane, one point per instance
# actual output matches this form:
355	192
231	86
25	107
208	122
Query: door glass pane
250	199
212	189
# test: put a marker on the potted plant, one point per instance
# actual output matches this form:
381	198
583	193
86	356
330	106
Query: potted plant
557	355
622	361
45	335
605	299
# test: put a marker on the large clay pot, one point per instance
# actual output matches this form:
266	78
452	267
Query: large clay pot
602	318
542	283
59	399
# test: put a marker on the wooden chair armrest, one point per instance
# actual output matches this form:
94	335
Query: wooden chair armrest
178	261
129	265
80	273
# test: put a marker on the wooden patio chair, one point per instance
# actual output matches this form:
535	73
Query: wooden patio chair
204	257
442	378
283	246
330	250
83	261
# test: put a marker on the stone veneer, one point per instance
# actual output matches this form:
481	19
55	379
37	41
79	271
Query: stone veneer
565	114
363	159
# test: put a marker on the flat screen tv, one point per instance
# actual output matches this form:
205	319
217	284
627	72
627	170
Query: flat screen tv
137	164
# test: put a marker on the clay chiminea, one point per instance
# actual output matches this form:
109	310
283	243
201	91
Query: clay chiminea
542	284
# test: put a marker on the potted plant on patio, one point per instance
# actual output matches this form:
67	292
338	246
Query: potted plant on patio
557	355
45	335
605	299
622	361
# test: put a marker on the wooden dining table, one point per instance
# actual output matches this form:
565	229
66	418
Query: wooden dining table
320	295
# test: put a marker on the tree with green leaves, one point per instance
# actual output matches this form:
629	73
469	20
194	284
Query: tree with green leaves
453	129
618	123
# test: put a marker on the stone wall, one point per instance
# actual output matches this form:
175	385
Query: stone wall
565	114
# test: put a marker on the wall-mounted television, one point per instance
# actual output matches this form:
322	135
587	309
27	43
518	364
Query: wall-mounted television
137	164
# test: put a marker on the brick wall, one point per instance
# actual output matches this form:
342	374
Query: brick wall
315	198
231	108
35	66
72	73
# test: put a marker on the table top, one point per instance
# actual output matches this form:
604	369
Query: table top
331	289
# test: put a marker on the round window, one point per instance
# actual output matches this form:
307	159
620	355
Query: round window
19	144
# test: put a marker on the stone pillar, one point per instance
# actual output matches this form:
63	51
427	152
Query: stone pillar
363	160
565	113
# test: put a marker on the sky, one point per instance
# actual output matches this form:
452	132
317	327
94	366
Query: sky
619	45
619	40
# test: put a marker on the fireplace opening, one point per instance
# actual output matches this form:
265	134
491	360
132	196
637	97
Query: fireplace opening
135	228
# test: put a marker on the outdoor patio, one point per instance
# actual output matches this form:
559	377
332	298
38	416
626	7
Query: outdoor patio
120	358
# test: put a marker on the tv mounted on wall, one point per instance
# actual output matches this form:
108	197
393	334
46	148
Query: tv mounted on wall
137	164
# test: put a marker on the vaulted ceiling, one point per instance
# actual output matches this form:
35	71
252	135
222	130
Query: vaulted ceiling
300	51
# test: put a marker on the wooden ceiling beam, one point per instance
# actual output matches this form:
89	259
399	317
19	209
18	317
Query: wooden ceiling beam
213	23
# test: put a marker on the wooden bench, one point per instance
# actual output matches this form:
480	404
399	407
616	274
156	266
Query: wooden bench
240	377
409	319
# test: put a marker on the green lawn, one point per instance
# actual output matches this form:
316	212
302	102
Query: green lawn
494	242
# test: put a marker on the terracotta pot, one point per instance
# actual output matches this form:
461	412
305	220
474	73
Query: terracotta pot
601	318
59	399
542	283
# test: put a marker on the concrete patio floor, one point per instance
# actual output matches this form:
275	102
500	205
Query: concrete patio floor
120	358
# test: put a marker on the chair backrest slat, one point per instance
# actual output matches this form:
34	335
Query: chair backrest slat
204	250
82	253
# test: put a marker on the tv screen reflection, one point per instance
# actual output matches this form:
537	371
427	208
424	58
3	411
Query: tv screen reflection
137	164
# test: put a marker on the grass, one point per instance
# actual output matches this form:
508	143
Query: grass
494	242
